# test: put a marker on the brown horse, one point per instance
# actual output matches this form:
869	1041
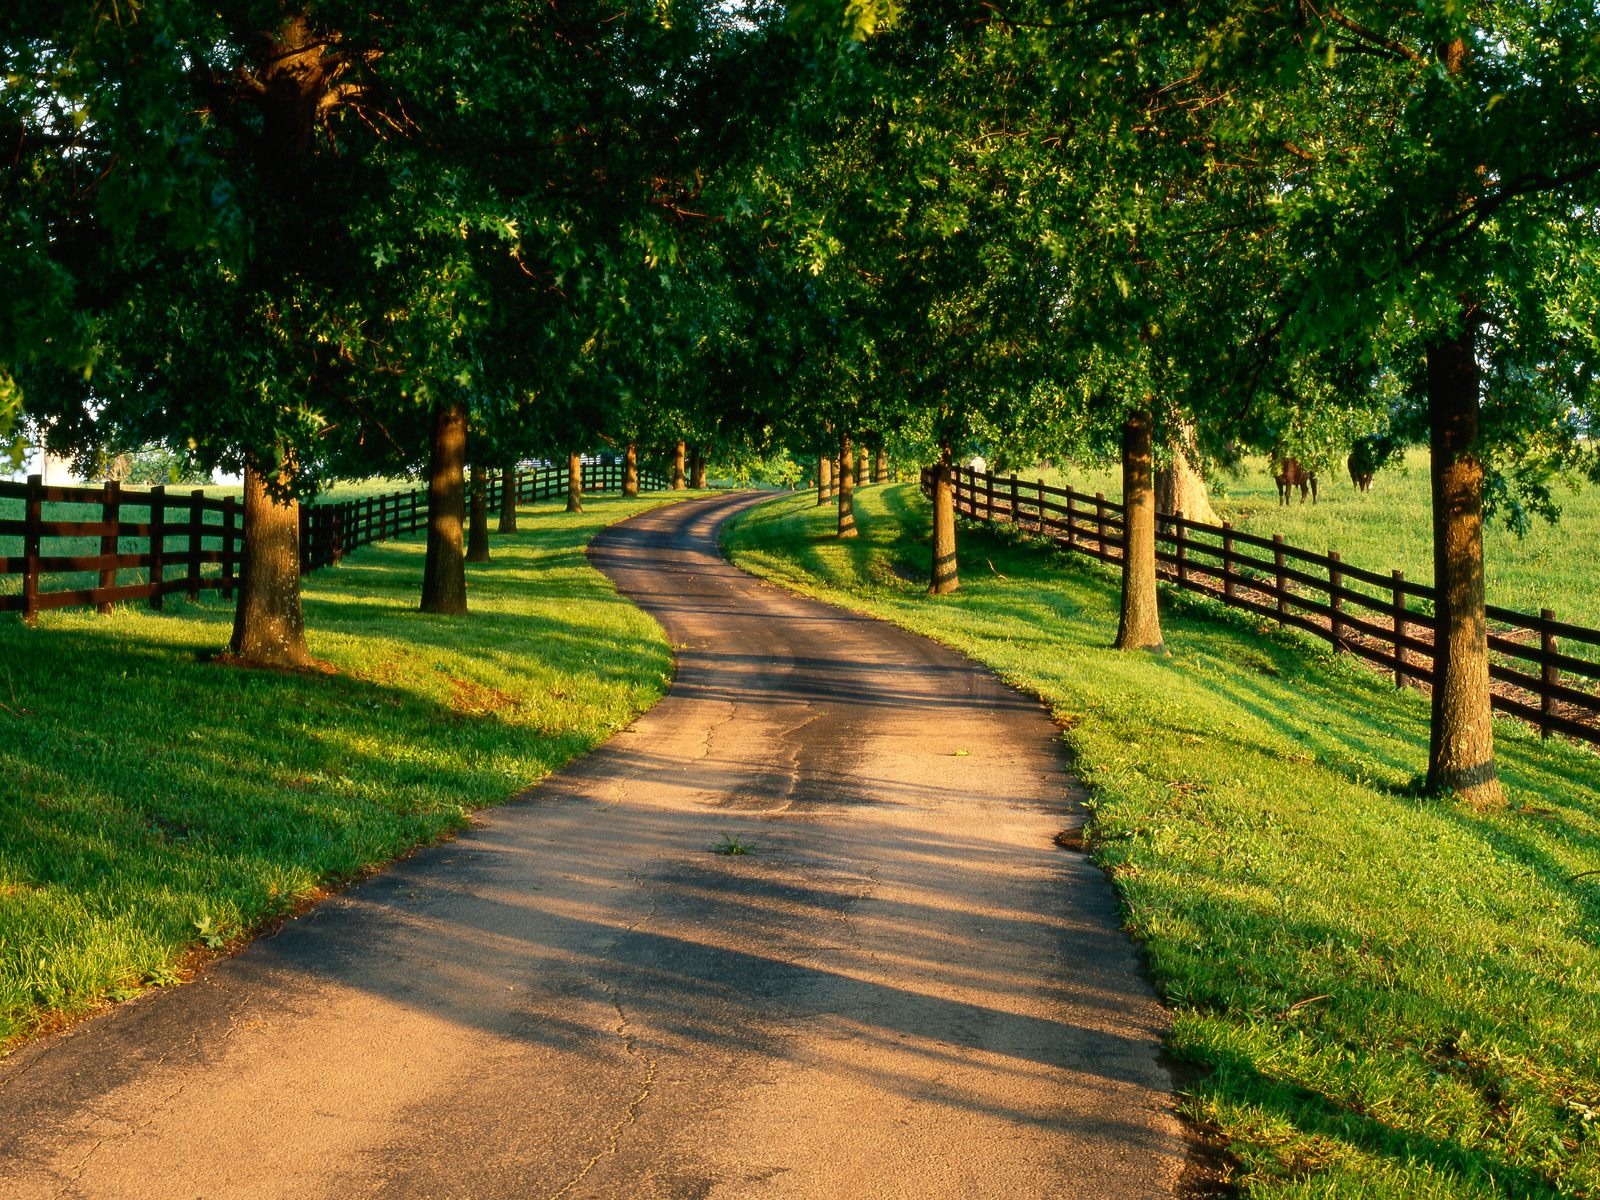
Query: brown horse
1287	473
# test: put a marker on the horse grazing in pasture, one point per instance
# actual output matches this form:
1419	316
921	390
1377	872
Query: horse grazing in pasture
1366	456
1287	473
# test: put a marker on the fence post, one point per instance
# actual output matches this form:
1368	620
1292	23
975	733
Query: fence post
1072	521
158	543
1281	591
1015	516
1041	506
1100	524
1549	677
32	519
1397	616
1335	600
230	511
1227	560
197	533
1180	549
110	515
336	532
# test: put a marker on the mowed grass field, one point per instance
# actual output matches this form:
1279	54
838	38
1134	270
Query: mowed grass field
1374	994
1390	528
154	806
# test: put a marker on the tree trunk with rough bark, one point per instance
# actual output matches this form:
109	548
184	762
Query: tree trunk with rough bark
444	571
1180	488
508	500
1461	742
847	488
1140	628
880	466
863	466
575	482
269	628
678	453
824	479
630	470
697	469
945	579
478	517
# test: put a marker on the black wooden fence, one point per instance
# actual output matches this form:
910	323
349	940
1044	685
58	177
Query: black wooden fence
1384	619
99	545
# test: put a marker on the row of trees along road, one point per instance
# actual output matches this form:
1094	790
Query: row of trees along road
305	240
1064	228
312	239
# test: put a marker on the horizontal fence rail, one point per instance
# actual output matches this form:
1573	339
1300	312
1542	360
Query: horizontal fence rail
81	546
1384	619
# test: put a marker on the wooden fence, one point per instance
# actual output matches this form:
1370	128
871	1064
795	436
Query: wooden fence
1384	619
98	545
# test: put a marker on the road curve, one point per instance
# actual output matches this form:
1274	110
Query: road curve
904	989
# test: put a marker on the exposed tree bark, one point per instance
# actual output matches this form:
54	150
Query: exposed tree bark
269	627
824	479
630	470
880	466
697	468
863	465
1140	628
444	571
944	576
574	482
478	517
1180	488
678	453
847	488
508	499
1461	741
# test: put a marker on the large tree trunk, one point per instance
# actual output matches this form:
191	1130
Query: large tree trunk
444	571
824	479
508	500
1140	628
678	453
863	465
630	470
944	578
1182	489
478	518
1461	742
847	488
269	629
880	466
697	469
575	483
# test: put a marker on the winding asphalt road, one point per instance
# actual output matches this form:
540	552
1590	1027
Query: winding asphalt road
905	989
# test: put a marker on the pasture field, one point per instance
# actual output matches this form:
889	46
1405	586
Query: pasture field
1390	528
153	804
1373	994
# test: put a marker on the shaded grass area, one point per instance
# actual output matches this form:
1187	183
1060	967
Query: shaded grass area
1390	528
151	802
1382	995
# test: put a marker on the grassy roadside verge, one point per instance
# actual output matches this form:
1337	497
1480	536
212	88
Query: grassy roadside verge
151	803
1385	996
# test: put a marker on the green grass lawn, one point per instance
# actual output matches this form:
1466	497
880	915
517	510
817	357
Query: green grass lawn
1390	528
150	801
1378	995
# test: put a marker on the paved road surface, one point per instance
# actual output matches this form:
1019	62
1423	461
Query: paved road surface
904	990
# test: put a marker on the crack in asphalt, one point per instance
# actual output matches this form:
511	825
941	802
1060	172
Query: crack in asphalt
630	1047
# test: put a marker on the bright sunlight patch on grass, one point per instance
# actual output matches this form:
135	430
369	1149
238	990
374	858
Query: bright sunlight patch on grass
1381	995
149	800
